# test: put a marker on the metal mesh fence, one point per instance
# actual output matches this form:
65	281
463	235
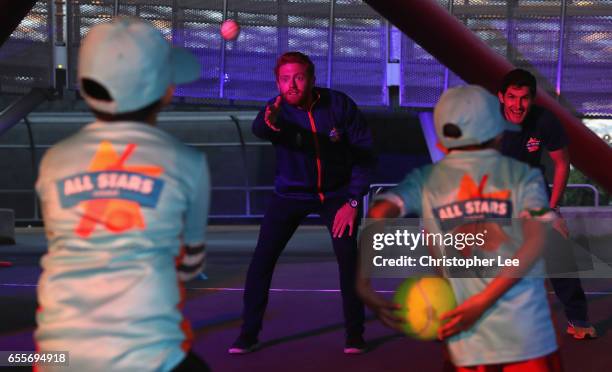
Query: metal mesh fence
586	81
528	34
197	29
524	32
25	58
243	69
82	16
307	30
249	60
534	40
422	77
359	53
346	40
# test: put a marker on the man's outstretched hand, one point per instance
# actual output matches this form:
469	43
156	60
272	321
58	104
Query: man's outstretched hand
271	114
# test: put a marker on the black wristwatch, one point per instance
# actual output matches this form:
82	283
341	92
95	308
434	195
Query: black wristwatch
354	203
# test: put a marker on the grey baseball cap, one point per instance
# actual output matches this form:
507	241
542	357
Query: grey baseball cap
131	59
474	111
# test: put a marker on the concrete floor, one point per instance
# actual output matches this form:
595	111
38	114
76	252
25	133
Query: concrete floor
303	327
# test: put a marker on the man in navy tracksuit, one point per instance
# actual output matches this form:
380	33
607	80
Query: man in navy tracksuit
324	162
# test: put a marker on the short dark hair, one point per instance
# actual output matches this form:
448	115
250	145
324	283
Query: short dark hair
294	57
97	91
519	78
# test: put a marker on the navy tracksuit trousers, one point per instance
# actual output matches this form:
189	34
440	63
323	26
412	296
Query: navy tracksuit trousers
282	218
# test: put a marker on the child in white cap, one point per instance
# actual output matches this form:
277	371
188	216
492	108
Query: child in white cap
125	208
502	322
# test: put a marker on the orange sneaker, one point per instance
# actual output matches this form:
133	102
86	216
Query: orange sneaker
580	333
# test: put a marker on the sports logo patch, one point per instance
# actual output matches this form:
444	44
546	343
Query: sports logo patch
473	203
476	212
533	144
82	187
111	193
334	135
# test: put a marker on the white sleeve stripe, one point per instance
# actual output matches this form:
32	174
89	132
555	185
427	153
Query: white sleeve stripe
185	277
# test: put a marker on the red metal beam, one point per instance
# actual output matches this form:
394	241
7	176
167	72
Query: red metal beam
454	45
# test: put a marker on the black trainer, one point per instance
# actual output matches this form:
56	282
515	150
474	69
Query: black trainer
355	345
243	345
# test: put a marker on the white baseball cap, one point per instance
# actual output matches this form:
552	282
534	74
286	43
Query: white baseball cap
131	59
474	111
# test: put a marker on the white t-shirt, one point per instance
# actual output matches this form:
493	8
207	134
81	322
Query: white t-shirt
518	326
118	200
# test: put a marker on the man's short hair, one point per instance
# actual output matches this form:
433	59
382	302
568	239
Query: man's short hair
519	78
294	57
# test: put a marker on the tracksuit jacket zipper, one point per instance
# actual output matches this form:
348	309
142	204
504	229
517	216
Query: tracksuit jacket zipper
317	152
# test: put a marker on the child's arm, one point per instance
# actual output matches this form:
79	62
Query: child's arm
404	198
466	314
384	209
382	307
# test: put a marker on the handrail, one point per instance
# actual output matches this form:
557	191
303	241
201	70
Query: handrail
247	189
22	106
587	186
240	143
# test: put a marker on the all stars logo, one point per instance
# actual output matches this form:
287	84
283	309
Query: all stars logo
473	203
112	192
477	212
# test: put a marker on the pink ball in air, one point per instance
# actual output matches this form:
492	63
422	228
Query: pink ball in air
230	29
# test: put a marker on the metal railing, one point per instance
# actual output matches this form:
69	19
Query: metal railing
246	189
586	186
497	26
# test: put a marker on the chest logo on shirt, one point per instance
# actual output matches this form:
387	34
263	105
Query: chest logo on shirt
111	192
472	203
334	135
473	211
533	144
